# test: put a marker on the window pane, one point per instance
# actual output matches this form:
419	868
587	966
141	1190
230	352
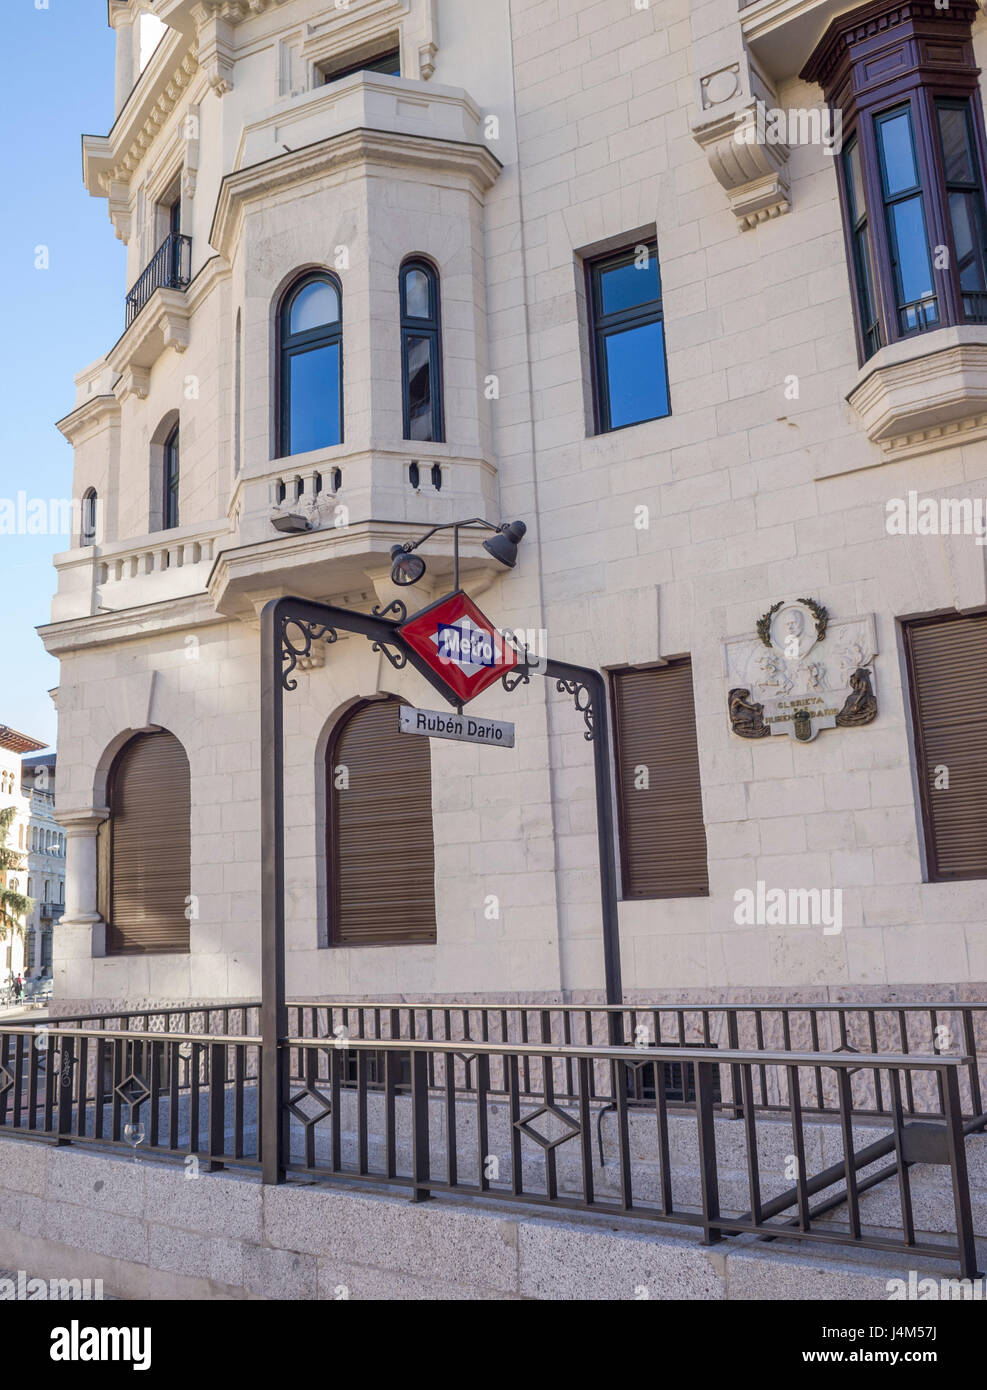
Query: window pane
968	240
855	181
914	266
315	305
416	294
627	285
314	399
419	352
955	145
900	171
634	365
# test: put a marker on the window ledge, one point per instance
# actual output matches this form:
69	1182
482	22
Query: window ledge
925	393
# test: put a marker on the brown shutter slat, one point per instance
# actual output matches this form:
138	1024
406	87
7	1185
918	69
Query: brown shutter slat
381	849
948	669
662	835
150	847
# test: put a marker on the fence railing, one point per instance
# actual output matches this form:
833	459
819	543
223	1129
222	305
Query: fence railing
944	1029
170	268
584	1126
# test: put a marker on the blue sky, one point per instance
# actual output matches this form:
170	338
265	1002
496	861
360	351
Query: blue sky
60	63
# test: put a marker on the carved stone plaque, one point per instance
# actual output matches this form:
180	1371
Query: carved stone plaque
800	672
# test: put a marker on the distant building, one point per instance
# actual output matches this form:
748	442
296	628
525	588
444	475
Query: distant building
45	863
13	746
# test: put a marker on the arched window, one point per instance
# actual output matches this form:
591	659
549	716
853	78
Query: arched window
172	477
90	507
381	856
145	848
421	352
310	377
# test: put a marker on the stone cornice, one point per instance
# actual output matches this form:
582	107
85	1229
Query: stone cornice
129	624
336	155
89	418
111	159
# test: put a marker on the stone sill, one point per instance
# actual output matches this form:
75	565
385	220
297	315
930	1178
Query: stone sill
925	393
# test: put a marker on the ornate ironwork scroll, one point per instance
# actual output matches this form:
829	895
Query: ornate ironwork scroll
583	701
294	652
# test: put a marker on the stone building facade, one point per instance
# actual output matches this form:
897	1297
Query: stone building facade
45	858
519	148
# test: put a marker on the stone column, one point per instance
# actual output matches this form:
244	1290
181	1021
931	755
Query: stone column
127	27
81	930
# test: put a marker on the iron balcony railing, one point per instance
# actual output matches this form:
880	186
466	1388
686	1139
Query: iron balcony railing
52	911
578	1125
170	268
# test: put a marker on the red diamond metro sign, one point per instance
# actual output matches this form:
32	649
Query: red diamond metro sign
459	645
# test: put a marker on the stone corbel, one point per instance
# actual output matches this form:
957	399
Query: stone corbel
730	128
214	48
190	168
134	381
428	49
118	205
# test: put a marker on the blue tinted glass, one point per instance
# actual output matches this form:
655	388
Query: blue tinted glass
898	148
314	399
635	372
628	285
914	266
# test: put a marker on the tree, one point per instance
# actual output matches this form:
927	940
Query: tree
14	906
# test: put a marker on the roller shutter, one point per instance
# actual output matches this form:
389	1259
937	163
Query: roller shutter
381	849
662	835
948	673
149	847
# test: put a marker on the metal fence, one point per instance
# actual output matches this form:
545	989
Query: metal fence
447	1100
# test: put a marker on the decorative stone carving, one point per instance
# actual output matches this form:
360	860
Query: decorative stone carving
781	679
753	171
214	48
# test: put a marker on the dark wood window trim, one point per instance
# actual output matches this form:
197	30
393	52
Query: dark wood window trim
602	325
172	472
963	727
873	62
388	62
291	343
90	512
429	328
393	828
675	720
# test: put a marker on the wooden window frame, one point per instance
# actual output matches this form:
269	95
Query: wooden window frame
602	325
430	328
171	477
289	344
372	63
872	62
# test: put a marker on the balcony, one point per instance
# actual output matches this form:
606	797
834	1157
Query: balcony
51	912
170	269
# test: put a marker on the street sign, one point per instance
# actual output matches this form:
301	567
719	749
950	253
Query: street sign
460	645
462	727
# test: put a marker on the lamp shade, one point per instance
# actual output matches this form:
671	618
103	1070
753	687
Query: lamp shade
503	546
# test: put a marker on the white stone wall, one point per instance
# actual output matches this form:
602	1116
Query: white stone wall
751	497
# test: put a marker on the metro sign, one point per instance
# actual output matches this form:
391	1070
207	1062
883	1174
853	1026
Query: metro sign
459	645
